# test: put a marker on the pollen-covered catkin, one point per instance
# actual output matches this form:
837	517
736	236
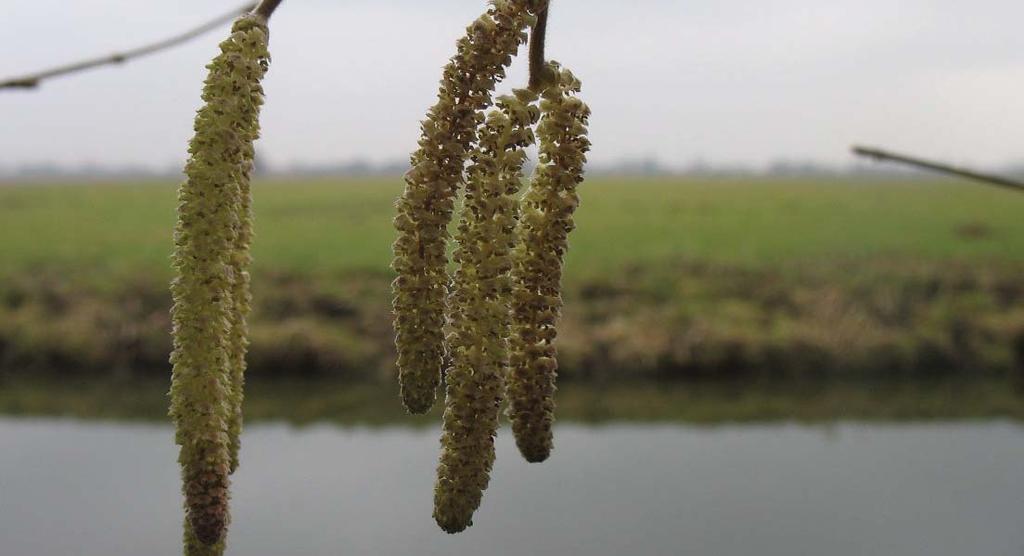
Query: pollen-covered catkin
241	299
479	311
542	241
425	207
207	240
241	259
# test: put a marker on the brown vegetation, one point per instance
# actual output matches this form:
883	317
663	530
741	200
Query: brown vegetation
687	321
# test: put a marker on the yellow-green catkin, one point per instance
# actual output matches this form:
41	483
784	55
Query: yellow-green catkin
425	207
479	310
210	238
544	226
241	258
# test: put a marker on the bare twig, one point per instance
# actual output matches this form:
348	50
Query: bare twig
266	8
538	61
879	154
33	81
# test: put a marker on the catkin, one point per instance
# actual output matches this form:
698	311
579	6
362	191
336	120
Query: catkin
194	547
425	207
479	311
209	238
544	226
241	258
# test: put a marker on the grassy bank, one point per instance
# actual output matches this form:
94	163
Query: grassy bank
665	279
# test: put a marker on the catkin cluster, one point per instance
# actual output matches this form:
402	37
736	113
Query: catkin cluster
479	315
211	289
542	240
503	303
425	208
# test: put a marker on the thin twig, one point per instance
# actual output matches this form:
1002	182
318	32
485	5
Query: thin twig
33	81
879	154
266	8
538	61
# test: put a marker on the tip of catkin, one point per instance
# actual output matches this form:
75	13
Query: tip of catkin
418	393
195	547
534	453
417	405
453	510
534	440
206	502
208	531
452	523
453	527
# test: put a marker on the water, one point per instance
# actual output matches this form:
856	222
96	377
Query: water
70	487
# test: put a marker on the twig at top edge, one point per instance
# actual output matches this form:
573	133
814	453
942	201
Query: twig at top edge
266	8
32	81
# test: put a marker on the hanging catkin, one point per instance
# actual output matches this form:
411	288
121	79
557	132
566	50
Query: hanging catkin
544	226
211	252
194	547
241	258
425	208
479	312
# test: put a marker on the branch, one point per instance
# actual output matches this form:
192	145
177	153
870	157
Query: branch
33	81
266	8
538	61
880	155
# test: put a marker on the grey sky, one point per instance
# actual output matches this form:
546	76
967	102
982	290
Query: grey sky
728	81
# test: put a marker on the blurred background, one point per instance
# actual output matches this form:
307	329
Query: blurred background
766	345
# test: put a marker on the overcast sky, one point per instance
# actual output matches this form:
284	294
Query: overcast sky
726	81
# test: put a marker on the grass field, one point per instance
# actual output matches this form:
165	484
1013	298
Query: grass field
666	278
322	227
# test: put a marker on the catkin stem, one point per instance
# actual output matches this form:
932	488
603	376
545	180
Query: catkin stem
266	8
539	71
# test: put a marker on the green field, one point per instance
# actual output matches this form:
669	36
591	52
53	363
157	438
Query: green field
666	278
323	227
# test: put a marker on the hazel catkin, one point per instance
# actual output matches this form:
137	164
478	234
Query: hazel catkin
211	251
479	312
426	205
194	547
241	257
545	223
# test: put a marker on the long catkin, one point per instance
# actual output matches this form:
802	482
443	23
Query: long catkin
208	238
241	259
479	312
425	207
545	223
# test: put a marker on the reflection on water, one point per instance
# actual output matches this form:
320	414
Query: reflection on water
349	403
849	489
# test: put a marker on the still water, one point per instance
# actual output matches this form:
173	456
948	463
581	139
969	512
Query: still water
73	488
